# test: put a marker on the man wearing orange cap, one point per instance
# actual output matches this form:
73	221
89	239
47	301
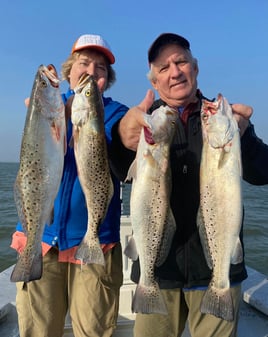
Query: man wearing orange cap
91	293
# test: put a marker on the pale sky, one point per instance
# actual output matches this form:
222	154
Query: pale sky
229	39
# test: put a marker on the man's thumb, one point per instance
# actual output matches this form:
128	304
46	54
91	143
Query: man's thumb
147	101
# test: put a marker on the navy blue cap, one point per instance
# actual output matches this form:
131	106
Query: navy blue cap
165	39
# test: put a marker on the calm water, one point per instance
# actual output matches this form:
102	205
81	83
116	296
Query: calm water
8	214
255	229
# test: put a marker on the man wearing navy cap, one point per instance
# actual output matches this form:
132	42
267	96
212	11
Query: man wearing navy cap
185	275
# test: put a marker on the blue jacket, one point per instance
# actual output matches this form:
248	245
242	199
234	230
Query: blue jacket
70	213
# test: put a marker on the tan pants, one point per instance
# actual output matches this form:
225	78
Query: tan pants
182	306
90	292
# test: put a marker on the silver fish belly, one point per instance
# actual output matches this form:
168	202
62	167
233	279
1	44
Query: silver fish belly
92	165
40	169
152	220
220	213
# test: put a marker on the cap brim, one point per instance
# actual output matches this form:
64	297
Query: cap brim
101	49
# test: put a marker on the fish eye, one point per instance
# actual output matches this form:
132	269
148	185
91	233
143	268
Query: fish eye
43	83
205	116
87	93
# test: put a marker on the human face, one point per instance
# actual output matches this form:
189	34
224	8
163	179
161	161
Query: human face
175	75
92	63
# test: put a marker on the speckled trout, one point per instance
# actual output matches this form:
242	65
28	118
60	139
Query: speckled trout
91	156
40	169
152	220
220	212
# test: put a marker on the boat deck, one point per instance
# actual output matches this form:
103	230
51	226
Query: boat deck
253	312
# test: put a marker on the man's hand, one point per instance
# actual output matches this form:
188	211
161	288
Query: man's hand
242	114
131	124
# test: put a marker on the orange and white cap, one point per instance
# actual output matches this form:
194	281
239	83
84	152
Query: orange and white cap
95	42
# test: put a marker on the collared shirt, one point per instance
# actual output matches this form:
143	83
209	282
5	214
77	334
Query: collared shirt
19	241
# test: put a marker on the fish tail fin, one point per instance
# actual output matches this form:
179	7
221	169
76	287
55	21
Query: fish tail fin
148	299
218	302
131	249
27	269
90	253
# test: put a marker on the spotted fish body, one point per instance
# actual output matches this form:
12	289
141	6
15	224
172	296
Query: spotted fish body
220	213
92	164
40	169
151	216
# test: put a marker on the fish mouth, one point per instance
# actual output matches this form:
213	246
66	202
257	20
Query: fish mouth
51	73
209	108
83	80
171	112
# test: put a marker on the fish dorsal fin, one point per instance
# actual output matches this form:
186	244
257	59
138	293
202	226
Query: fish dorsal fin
132	172
131	249
237	255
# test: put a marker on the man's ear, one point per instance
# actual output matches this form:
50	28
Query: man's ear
154	84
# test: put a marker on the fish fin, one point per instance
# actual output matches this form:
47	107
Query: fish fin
223	157
148	120
166	242
25	270
237	256
132	172
131	249
148	299
90	253
50	219
56	131
19	206
199	218
218	302
240	166
65	144
71	142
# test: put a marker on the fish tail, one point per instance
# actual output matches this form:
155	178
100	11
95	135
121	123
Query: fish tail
218	302
90	253
148	299
27	269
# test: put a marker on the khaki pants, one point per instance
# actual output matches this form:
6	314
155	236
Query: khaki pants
90	292
182	306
